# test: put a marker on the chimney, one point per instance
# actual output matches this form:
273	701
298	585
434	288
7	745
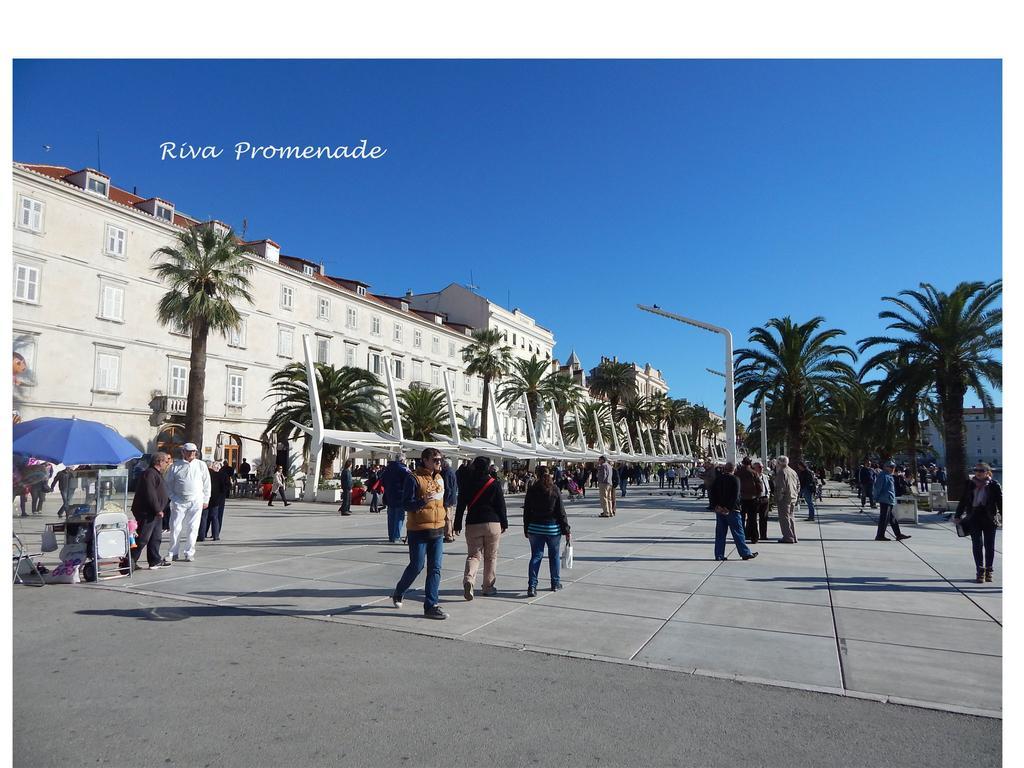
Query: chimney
265	249
408	293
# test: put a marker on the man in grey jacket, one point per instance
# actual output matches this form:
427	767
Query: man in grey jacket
787	491
604	485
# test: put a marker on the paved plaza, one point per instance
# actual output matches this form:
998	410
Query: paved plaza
901	622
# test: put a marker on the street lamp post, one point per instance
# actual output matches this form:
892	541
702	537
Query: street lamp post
764	418
730	395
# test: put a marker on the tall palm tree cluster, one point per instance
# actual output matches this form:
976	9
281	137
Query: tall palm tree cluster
938	346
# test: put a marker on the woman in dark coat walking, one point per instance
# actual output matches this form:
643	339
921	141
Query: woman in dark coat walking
981	510
544	524
483	503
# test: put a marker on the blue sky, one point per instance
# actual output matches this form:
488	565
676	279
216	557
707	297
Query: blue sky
730	191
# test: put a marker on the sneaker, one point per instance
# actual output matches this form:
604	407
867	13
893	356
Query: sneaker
188	559
489	592
175	558
396	600
903	536
531	592
751	556
162	564
555	587
467	591
988	574
882	538
434	612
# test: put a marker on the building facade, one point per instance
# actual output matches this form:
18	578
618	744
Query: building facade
984	437
87	341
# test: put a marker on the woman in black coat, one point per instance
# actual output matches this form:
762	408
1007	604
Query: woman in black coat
483	503
544	524
981	505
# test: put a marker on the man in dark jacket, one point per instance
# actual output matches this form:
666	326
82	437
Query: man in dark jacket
398	485
346	488
866	481
451	499
724	494
807	485
149	507
750	490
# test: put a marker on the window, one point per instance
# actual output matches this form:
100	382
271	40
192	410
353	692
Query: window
453	378
96	185
417	370
30	216
323	308
435	376
375	325
350	355
163	212
108	370
307	270
236	336
26	283
178	380
360	290
236	388
323	350
373	364
284	342
397	368
398	333
417	339
451	349
112	302
435	345
513	339
351	318
467	382
114	241
479	386
287	297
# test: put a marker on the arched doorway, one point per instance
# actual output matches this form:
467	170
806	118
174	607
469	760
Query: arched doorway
232	450
170	439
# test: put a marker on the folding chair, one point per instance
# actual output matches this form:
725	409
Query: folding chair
19	555
111	541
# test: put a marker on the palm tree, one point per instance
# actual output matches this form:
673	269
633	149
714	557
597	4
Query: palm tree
798	367
349	399
953	335
530	378
698	417
488	357
586	413
424	411
613	381
636	410
207	270
565	394
905	386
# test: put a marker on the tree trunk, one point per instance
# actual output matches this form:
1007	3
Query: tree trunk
956	442
327	461
913	431
485	403
195	404
794	433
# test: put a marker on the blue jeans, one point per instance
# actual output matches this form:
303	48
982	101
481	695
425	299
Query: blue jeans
622	485
424	544
808	497
732	522
537	543
396	516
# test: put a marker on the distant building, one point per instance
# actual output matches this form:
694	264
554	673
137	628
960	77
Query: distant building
984	437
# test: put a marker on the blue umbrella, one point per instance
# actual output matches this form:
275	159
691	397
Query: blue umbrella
72	441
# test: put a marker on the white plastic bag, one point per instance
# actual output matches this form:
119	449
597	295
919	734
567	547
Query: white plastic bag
567	557
49	540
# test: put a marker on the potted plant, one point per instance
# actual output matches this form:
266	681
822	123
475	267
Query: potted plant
358	490
329	491
266	486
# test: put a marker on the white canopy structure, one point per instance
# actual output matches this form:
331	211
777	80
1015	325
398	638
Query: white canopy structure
393	442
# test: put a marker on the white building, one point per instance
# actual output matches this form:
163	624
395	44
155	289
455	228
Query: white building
519	330
984	437
85	323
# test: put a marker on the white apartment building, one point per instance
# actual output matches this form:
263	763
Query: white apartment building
649	380
522	333
86	331
984	438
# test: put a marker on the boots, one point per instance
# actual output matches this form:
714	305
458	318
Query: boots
988	574
980	578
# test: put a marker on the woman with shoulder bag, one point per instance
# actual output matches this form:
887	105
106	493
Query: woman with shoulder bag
981	510
544	523
483	503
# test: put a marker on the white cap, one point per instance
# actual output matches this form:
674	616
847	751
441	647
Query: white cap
189	447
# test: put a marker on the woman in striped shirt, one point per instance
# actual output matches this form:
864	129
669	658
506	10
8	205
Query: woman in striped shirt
544	522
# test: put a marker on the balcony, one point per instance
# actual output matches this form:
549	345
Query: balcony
166	406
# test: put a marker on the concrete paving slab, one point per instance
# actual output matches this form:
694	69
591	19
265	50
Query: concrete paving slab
803	659
621	600
756	614
218	586
907	598
774	590
954	678
575	630
969	636
668	581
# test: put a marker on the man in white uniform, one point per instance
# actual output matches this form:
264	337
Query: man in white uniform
189	489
